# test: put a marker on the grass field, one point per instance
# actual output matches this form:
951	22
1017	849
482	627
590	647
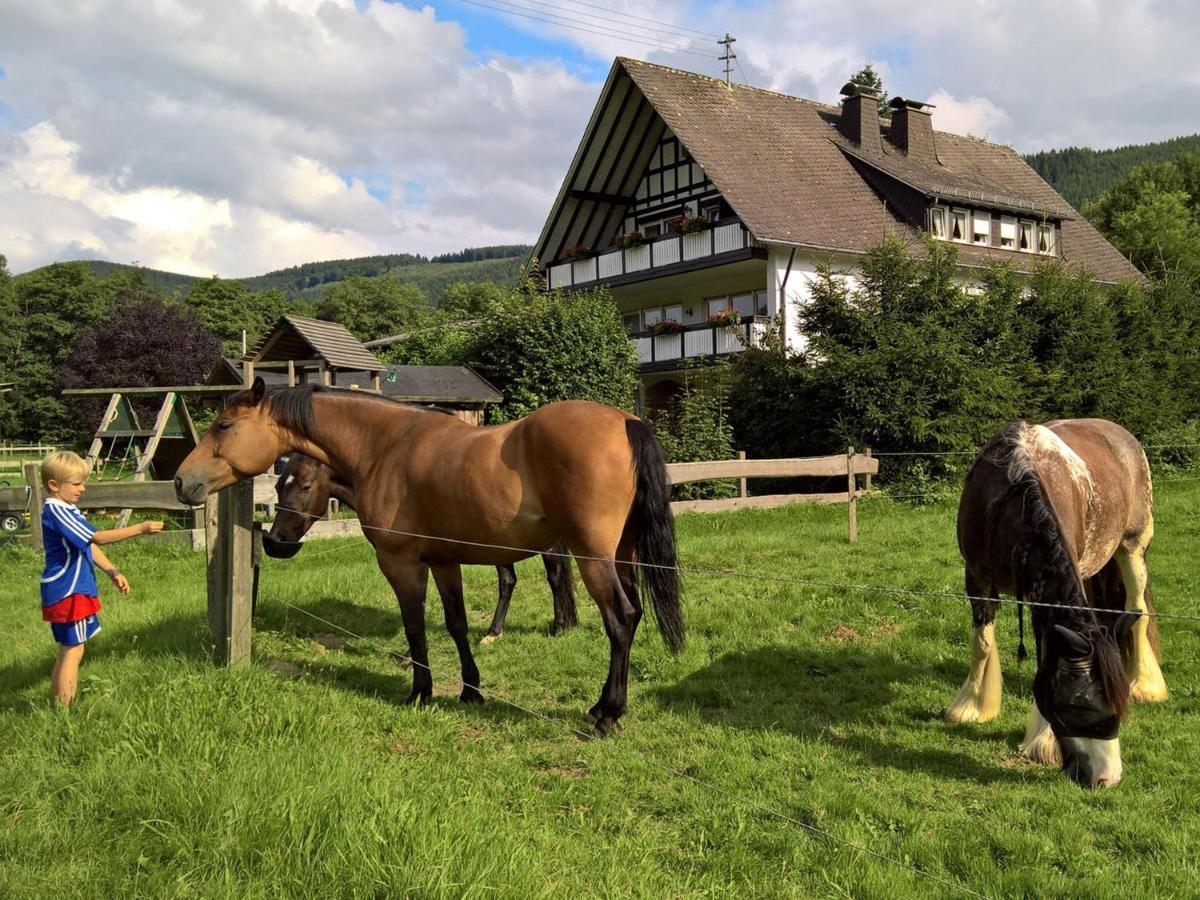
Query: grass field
302	776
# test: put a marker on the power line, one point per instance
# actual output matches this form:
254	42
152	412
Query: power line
627	15
616	35
609	20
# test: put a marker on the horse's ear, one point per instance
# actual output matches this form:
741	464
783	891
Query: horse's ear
258	390
1073	644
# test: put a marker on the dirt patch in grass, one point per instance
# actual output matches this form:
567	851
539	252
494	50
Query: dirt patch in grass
842	634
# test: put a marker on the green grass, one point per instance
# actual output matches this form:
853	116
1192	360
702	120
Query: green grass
302	776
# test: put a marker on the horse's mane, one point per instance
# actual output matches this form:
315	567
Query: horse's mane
293	408
1055	578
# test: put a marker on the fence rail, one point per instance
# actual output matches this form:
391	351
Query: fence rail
161	494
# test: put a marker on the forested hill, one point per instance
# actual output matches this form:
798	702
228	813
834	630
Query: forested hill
433	275
1081	174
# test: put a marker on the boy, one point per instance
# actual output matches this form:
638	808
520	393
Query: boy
69	591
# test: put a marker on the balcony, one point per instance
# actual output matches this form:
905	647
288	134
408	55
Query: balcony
659	256
663	352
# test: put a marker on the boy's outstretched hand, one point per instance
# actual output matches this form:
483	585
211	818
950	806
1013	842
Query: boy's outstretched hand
119	581
151	527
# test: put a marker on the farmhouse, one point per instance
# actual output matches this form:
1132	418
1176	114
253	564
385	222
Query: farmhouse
688	198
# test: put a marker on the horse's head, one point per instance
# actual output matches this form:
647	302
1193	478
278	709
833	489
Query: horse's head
303	491
243	441
1082	690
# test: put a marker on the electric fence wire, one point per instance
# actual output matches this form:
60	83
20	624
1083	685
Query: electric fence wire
652	763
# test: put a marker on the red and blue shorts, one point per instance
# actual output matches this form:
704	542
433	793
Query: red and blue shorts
73	619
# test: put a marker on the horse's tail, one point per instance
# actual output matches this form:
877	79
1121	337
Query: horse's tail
654	533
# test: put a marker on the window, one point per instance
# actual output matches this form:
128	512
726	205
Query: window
958	225
674	312
652	229
937	223
1008	233
1025	237
652	316
743	303
981	231
710	212
1045	239
760	303
716	304
632	321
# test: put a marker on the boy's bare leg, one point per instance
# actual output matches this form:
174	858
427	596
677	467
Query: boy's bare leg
65	675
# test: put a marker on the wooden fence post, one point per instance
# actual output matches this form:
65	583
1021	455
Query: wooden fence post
33	478
867	478
231	573
741	481
852	495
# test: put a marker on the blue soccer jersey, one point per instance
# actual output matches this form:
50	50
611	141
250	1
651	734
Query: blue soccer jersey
67	537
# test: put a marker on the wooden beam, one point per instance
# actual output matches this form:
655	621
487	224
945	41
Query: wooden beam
98	442
817	466
852	495
231	583
145	458
599	197
33	478
208	389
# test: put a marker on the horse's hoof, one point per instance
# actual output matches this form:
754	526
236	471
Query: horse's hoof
607	725
418	698
594	714
470	695
489	637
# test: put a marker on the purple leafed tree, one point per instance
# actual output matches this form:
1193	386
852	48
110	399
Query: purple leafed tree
148	343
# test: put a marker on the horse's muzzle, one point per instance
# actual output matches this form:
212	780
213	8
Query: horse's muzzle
278	548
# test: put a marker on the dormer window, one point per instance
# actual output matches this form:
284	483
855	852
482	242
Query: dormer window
937	222
958	225
1008	233
981	232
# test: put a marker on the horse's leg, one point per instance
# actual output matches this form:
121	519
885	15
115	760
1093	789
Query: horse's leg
620	619
409	580
562	588
449	584
508	581
1145	676
1039	744
978	700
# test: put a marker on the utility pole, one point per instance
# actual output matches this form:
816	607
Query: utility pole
727	42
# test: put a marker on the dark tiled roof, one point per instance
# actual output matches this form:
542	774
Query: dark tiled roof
780	163
298	338
437	384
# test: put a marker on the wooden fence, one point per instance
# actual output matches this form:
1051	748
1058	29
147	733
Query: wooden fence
160	495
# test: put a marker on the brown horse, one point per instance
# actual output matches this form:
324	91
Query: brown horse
1061	515
434	492
303	492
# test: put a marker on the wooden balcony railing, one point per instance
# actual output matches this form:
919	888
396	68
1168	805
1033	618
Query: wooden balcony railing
700	340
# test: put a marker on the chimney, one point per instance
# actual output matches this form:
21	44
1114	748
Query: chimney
860	117
912	129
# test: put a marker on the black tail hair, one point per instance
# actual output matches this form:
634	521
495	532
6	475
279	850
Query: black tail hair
654	527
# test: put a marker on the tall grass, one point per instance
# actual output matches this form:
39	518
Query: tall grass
303	776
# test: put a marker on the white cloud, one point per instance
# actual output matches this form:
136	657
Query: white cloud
236	136
976	116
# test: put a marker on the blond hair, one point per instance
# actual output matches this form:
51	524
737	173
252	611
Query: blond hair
63	467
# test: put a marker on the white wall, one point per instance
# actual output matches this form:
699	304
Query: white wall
799	284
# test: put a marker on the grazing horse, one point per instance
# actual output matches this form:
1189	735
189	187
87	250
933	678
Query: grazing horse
1060	515
304	490
434	492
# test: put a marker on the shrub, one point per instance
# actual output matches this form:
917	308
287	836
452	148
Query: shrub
695	428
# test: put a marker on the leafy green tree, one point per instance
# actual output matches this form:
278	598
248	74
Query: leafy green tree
9	335
870	79
226	308
53	305
375	307
1153	216
695	427
469	300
